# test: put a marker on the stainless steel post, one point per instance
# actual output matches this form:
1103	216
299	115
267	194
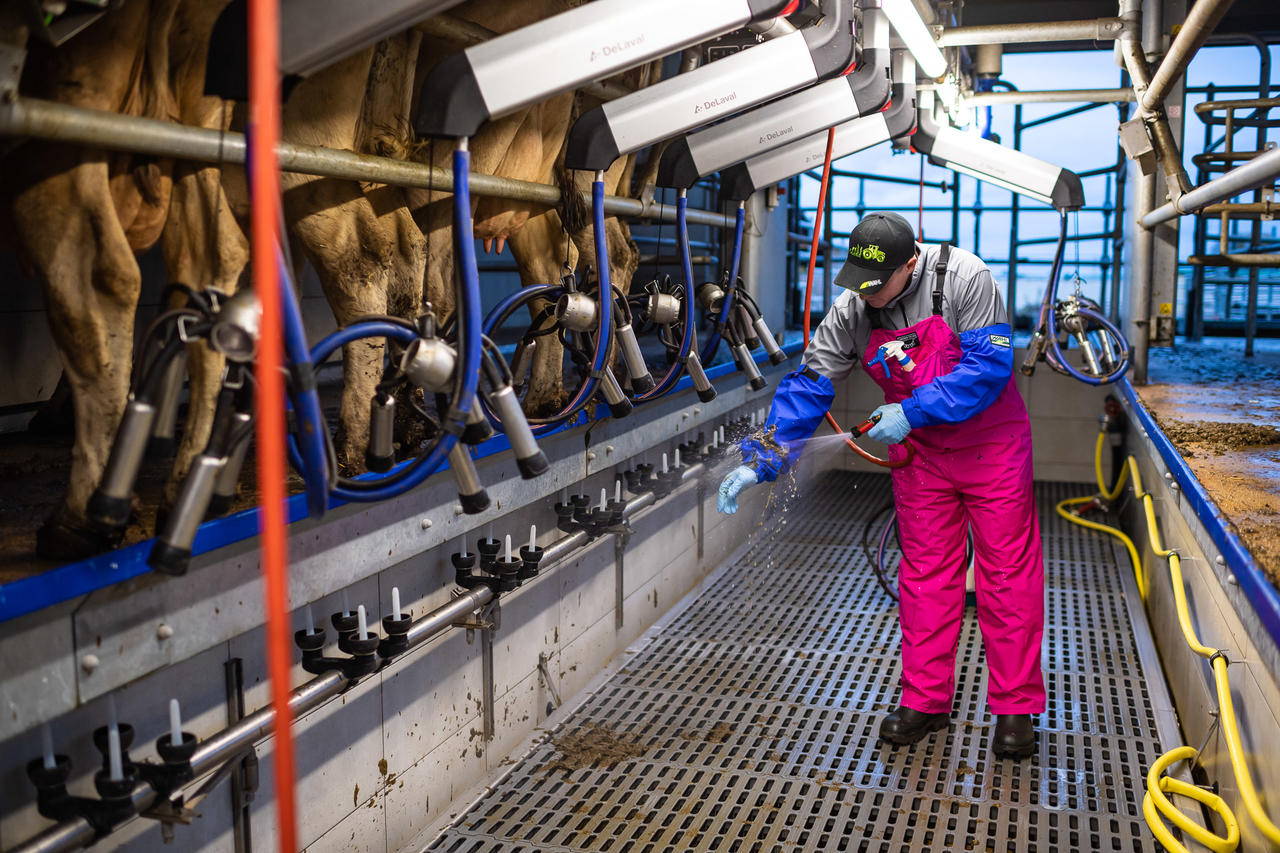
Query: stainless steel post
1139	331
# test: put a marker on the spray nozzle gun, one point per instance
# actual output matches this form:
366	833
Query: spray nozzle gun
893	349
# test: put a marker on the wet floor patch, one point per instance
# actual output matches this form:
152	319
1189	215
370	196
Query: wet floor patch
750	722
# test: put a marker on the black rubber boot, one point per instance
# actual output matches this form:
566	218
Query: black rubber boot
1015	736
907	725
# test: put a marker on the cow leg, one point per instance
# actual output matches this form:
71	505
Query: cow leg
203	246
537	248
78	249
353	254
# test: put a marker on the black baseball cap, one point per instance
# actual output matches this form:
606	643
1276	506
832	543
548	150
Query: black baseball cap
878	245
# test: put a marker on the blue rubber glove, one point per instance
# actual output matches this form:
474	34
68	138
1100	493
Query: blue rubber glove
892	427
739	478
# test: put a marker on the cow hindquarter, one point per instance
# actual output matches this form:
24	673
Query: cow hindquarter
79	216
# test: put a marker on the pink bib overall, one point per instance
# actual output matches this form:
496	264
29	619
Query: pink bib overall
976	473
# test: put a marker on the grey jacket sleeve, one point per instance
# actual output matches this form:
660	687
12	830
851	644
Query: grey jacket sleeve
978	303
832	351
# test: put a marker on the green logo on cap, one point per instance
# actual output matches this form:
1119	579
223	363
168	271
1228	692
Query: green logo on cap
870	252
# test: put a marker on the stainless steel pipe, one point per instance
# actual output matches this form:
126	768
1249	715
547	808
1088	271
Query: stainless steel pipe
31	117
1251	175
1153	117
1094	96
1098	29
1199	25
226	745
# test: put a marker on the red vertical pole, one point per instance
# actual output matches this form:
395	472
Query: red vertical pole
264	121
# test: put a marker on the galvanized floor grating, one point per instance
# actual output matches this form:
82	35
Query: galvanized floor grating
756	708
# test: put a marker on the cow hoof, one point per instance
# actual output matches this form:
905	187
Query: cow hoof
65	537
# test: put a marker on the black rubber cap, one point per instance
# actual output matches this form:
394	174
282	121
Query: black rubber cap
778	357
677	169
451	103
736	184
476	433
169	559
707	395
872	82
831	42
533	466
757	383
591	145
379	464
901	118
107	514
643	384
620	410
472	504
1068	194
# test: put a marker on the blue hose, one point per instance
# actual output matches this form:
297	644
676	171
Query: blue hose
1054	354
713	342
604	328
686	267
313	461
411	474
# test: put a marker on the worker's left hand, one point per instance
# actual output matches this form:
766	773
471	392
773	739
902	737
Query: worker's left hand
892	427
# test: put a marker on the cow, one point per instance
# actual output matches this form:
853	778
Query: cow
80	215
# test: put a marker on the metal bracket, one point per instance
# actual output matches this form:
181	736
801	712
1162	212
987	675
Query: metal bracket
545	671
488	620
1137	145
170	812
619	576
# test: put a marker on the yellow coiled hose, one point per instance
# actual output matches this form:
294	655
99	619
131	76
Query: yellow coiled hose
1156	804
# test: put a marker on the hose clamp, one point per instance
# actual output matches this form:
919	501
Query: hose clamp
184	324
1220	653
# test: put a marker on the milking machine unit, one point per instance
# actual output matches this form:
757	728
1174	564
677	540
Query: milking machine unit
157	385
1104	351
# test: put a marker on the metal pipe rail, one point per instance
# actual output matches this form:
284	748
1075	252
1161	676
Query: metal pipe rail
1152	113
1099	29
232	742
1251	175
32	117
1050	96
1201	20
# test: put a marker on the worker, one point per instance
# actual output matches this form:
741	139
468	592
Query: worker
930	328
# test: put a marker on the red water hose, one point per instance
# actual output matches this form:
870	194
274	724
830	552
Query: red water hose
264	122
808	304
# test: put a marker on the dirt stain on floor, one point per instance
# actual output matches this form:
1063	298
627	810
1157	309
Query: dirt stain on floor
594	746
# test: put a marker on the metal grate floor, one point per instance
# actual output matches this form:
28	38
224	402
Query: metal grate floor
758	704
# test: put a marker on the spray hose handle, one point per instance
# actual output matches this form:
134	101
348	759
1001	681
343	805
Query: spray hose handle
864	427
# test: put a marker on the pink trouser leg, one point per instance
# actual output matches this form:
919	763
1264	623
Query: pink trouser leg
931	529
1009	572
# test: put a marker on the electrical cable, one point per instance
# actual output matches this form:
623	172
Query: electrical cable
808	306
